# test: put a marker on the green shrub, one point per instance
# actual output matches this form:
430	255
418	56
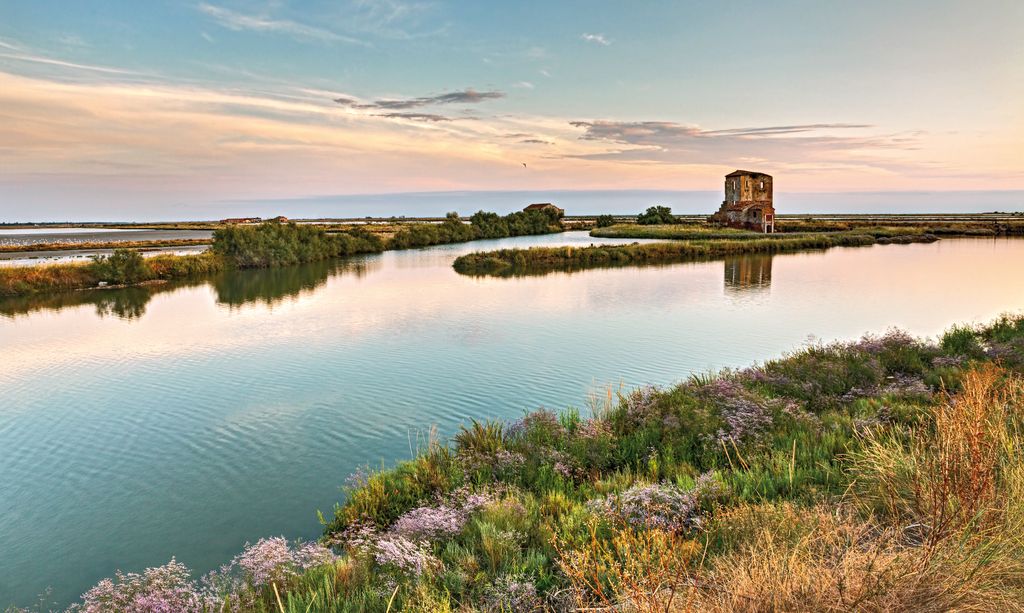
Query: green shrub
604	221
961	340
277	244
122	267
656	215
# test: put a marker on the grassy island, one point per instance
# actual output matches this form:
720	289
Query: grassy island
883	474
539	260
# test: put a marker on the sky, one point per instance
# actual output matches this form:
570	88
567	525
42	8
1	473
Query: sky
193	110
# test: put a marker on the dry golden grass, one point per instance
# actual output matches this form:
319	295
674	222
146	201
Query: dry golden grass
946	536
842	563
645	568
15	280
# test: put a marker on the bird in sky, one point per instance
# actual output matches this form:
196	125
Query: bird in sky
524	164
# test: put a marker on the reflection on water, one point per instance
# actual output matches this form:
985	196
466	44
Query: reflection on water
235	288
186	419
748	272
273	285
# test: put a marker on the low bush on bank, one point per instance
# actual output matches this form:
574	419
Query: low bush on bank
122	267
657	215
877	475
275	244
539	260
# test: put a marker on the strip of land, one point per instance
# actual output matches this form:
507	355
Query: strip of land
542	260
890	227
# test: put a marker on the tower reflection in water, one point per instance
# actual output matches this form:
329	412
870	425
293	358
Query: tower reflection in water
748	273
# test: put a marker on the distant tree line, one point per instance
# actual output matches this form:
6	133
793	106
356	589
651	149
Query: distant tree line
481	224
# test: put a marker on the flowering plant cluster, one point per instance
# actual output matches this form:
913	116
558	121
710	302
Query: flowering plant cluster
171	589
512	593
640	402
273	559
659	506
162	589
745	417
542	423
502	461
899	385
428	523
594	428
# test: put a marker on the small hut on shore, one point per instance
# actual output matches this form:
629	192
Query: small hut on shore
748	202
545	206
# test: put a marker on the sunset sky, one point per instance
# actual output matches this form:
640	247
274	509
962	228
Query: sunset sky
136	109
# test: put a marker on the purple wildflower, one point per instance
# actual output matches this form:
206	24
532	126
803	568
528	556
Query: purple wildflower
268	560
512	593
272	559
430	523
359	477
162	589
745	417
594	428
542	421
658	506
943	361
906	386
403	554
640	402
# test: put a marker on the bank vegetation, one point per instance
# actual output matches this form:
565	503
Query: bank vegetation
265	245
883	474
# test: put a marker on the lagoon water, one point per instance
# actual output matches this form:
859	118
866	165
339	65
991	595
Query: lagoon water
141	424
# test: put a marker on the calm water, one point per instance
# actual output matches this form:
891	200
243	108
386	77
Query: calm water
140	424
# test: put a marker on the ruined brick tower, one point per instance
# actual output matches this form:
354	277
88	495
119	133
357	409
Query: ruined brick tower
748	202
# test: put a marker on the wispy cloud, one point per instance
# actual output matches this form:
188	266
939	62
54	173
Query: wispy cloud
38	59
524	85
395	19
599	39
430	117
674	143
466	96
236	21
